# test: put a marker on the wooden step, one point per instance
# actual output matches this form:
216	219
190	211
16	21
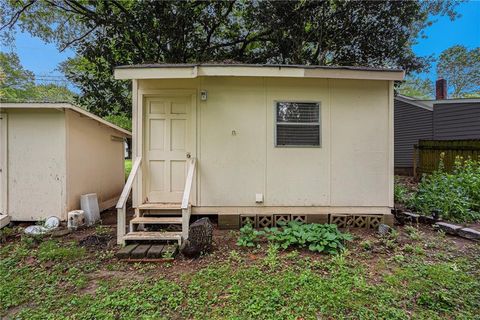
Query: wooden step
156	220
160	206
151	236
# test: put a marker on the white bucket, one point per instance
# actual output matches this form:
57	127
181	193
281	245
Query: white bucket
89	204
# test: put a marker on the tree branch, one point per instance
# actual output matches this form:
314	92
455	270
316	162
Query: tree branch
77	39
17	15
216	25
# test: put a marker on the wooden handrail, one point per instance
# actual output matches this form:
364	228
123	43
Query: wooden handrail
128	185
188	183
122	201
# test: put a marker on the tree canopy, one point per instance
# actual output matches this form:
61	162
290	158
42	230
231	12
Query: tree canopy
461	68
416	87
108	33
18	84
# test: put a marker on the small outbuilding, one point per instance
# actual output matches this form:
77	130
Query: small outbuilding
51	154
259	144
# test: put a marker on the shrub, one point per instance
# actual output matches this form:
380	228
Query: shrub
401	193
366	245
6	233
455	196
249	237
316	237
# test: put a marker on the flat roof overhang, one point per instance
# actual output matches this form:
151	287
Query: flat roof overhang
190	71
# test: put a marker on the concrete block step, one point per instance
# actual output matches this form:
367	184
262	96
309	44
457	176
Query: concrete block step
124	253
140	251
147	252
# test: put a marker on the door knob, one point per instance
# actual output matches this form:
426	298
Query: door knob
189	155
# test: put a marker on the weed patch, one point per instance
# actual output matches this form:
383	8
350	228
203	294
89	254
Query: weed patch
52	250
454	196
42	281
316	237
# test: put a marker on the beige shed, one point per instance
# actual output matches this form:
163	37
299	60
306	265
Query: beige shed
259	143
51	154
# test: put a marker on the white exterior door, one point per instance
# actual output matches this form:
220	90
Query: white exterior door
169	141
3	163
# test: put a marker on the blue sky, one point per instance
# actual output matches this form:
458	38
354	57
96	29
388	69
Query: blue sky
445	33
43	59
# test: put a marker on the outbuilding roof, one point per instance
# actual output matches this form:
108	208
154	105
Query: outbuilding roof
61	105
430	103
179	71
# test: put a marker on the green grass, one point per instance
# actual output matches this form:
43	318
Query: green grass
128	167
59	280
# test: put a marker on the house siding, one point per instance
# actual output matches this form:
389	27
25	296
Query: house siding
456	121
412	123
36	164
95	162
352	167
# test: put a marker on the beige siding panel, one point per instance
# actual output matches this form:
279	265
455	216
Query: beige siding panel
162	84
298	176
95	161
360	143
36	164
232	148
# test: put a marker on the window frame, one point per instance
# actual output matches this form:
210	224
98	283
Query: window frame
319	123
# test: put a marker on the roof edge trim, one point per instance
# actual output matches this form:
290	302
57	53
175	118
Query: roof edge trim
194	71
413	102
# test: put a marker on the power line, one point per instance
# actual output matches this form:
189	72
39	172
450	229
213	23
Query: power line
52	77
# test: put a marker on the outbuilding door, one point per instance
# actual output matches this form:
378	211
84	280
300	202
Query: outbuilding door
3	163
169	138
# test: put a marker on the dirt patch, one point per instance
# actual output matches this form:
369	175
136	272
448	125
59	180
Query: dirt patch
410	182
98	241
225	243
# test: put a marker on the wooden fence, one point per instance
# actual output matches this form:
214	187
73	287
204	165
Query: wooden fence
426	156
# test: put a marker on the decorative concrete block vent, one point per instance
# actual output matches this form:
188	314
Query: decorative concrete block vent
299	218
356	221
269	220
342	221
360	222
282	218
265	221
248	219
374	221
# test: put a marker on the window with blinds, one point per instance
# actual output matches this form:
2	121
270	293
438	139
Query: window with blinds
297	124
